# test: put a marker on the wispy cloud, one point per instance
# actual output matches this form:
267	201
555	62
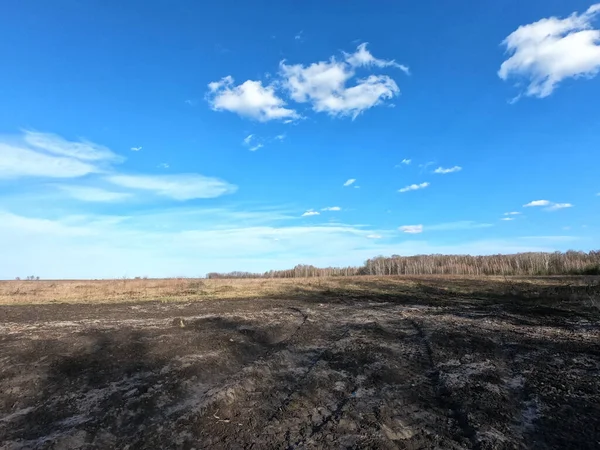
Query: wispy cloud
280	137
93	194
248	139
350	182
191	102
311	212
551	50
557	206
374	236
442	170
507	218
404	162
163	166
256	147
458	225
411	229
250	99
414	187
34	154
82	150
177	187
136	149
331	208
512	213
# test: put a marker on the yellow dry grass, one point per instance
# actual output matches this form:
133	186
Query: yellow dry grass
186	289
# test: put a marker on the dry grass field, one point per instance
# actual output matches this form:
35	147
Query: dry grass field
423	362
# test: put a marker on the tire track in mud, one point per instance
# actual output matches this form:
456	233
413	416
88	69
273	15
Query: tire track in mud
444	394
298	385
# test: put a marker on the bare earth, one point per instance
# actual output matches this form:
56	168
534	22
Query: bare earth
411	363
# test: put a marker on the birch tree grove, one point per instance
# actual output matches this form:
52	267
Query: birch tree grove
525	264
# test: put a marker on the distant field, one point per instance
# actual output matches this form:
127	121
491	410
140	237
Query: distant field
182	289
365	362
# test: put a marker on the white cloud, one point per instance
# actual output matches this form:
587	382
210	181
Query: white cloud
136	149
331	208
507	218
548	51
248	139
92	194
363	58
280	137
459	225
18	161
194	241
178	187
349	182
256	147
298	37
250	99
81	150
414	187
512	213
36	154
557	206
549	206
311	212
537	203
406	161
163	166
411	229
323	84
443	170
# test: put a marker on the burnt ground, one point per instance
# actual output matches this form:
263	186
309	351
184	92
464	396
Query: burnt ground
429	368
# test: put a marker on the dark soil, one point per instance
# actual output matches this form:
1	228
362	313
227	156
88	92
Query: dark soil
429	370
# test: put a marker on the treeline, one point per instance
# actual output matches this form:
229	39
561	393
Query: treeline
558	263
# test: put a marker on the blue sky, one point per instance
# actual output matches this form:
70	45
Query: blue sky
174	138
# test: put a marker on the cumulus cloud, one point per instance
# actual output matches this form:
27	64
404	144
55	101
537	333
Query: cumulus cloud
331	208
350	181
311	212
551	50
414	187
250	99
442	170
177	187
411	229
324	84
537	203
549	206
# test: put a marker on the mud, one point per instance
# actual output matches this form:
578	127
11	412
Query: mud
420	371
